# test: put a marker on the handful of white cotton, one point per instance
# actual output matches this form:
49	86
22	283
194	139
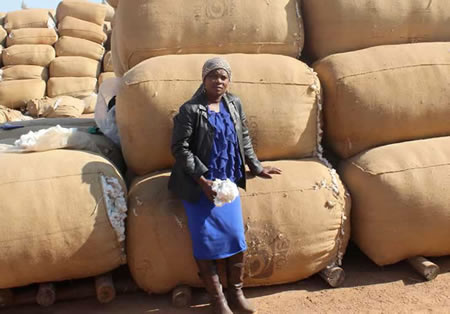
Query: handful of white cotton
226	190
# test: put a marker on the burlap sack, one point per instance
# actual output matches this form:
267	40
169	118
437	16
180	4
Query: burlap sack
74	27
15	94
107	63
148	28
104	146
334	26
23	72
31	18
59	107
276	92
2	18
3	35
104	76
401	200
109	12
385	95
40	55
32	36
113	3
67	233
9	115
74	67
86	11
71	46
78	87
293	228
89	103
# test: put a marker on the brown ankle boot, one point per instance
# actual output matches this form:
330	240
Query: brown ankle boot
235	276
209	276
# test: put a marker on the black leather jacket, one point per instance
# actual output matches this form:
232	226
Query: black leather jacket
192	141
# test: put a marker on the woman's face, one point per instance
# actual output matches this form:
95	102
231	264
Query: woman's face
216	83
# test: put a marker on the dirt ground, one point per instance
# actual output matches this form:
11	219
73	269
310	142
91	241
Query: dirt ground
367	289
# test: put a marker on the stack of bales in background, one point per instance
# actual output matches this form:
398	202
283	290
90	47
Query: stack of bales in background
79	52
387	114
281	99
31	34
108	70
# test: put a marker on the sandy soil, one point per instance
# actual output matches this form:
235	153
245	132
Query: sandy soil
367	289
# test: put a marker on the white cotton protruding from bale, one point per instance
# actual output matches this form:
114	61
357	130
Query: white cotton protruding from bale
116	205
335	181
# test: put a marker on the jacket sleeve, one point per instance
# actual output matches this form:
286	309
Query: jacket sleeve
250	156
183	129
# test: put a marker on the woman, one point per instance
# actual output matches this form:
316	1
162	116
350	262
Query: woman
211	141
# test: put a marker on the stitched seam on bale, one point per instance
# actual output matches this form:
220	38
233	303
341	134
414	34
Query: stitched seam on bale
397	171
393	69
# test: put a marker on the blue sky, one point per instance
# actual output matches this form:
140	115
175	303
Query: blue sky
12	5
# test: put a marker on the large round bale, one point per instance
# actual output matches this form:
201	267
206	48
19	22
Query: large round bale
295	225
74	67
40	55
401	200
334	26
23	72
76	47
384	95
148	28
83	10
32	36
78	87
31	18
277	93
60	220
15	94
77	28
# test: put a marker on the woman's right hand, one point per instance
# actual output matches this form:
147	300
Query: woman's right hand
206	186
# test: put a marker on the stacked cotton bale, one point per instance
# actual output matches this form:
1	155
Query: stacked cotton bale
160	49
335	26
31	35
75	226
79	51
108	69
380	103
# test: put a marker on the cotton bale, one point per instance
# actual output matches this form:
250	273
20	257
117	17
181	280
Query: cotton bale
400	199
295	225
15	94
23	72
149	28
32	36
384	95
31	18
74	67
334	26
40	55
83	10
74	228
77	28
76	47
278	94
78	87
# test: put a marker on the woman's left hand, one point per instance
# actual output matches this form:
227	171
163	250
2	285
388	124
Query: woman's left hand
268	171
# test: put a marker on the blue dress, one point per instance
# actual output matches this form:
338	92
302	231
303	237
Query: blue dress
218	232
